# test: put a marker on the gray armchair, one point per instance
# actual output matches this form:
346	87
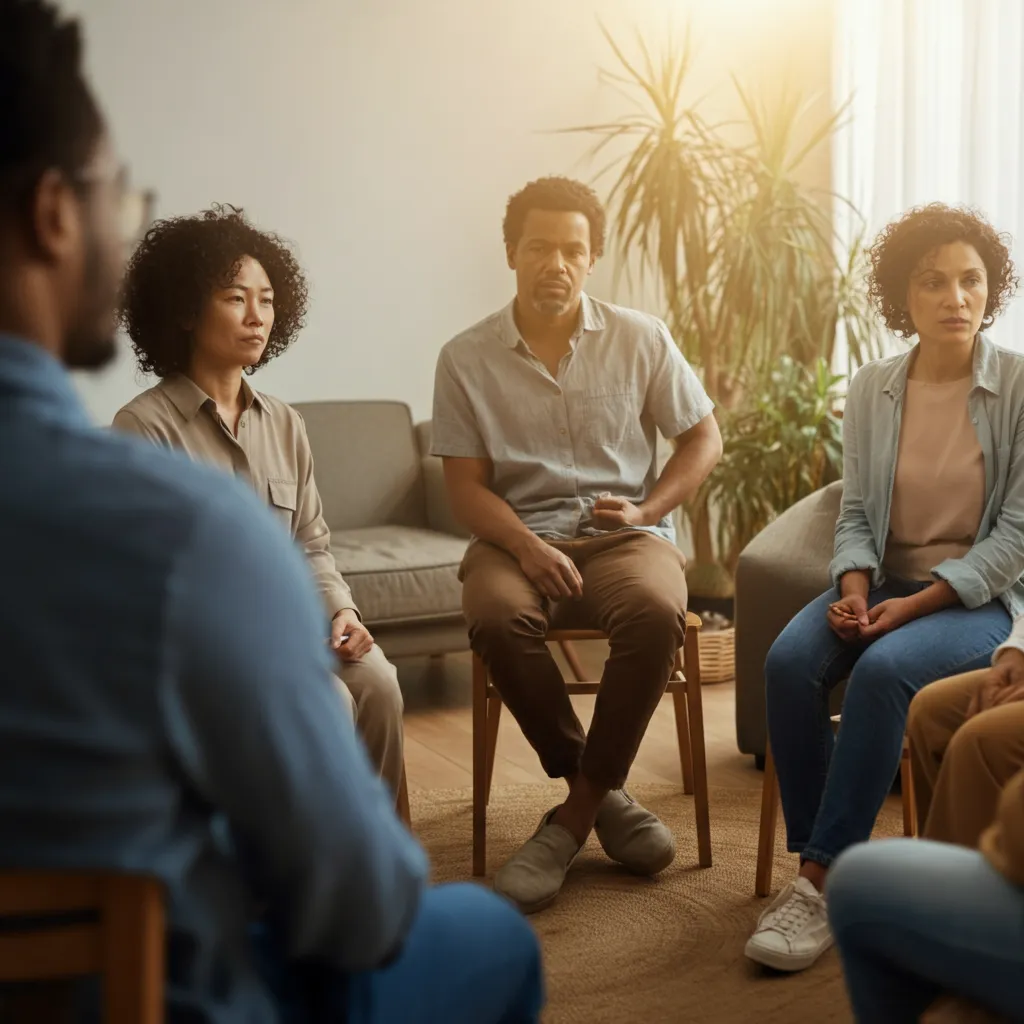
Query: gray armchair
780	570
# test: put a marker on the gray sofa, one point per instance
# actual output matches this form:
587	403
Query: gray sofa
392	531
780	570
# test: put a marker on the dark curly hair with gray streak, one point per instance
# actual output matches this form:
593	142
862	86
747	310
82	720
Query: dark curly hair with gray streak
181	262
560	194
901	246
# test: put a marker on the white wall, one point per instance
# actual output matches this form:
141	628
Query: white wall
383	137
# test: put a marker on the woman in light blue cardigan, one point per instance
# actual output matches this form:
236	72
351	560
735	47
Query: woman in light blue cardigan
929	552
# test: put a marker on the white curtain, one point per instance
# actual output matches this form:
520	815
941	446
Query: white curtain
936	113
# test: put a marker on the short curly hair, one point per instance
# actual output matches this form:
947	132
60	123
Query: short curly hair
556	193
181	262
901	246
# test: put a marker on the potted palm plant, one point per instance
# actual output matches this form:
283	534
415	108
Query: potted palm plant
755	285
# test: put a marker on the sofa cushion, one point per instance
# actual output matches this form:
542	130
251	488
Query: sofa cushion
401	574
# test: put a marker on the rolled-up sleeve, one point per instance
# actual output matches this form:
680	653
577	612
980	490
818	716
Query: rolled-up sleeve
855	546
261	734
994	564
676	399
454	431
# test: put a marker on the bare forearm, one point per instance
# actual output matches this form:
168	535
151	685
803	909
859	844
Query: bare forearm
933	599
683	474
488	517
855	583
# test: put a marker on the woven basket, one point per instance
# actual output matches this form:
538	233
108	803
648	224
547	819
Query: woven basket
717	655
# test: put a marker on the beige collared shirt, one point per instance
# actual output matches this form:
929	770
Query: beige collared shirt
271	452
559	443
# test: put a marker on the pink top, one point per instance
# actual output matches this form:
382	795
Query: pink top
938	493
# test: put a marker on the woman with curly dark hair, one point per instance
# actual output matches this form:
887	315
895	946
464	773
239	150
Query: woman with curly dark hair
208	300
929	552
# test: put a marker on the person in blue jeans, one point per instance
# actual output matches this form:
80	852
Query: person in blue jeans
166	705
920	924
929	553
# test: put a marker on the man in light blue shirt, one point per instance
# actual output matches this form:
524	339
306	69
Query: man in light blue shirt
165	696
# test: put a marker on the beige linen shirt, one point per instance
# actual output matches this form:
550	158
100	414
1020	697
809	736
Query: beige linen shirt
271	452
559	443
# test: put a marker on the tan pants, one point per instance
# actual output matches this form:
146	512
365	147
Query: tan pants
633	589
369	689
961	765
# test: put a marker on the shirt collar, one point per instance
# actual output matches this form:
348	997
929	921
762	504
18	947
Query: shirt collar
188	397
31	376
591	319
984	369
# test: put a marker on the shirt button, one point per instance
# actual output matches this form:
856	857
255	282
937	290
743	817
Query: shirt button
563	431
975	420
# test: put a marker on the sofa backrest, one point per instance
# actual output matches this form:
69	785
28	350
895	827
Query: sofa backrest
367	463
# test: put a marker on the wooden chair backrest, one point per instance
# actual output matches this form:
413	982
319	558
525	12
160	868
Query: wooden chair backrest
56	925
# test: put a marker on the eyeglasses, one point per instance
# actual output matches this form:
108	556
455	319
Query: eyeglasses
135	206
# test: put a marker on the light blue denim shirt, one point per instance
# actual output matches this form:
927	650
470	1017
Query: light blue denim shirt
871	428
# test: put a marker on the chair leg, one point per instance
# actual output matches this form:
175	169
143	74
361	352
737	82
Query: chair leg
907	790
573	660
766	832
402	805
695	708
683	733
479	766
493	720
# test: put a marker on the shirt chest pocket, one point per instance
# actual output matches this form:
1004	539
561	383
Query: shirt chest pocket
609	415
283	496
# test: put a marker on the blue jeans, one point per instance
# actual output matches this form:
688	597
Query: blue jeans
833	788
915	919
470	956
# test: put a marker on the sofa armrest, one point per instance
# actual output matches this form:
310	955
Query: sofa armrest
439	510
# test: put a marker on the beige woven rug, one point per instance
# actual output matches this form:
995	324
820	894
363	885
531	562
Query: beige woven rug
622	949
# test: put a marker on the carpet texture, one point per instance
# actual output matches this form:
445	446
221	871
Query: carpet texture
621	949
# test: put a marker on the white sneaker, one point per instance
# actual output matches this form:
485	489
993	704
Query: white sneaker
793	932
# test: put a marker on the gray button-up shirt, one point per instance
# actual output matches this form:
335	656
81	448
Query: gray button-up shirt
558	443
871	428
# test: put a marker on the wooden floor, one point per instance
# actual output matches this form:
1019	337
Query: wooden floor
438	731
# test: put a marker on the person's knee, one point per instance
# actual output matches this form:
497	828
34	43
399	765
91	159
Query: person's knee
483	912
501	624
877	676
383	696
652	618
847	879
967	744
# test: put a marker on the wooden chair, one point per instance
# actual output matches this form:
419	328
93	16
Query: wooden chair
402	803
684	685
58	926
770	814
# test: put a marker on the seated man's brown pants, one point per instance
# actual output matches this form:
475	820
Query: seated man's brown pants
961	765
634	589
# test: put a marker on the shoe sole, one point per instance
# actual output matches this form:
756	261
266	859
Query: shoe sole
786	962
528	908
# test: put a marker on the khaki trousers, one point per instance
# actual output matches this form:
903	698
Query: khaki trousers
634	589
961	765
369	689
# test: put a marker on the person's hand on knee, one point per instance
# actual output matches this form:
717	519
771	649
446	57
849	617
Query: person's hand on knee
350	639
1002	684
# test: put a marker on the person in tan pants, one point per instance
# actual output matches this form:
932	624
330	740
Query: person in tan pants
208	300
546	415
966	743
